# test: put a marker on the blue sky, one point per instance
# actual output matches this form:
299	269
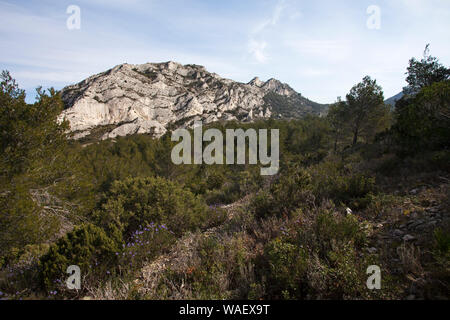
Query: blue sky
321	48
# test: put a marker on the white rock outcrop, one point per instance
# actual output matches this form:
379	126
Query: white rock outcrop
146	99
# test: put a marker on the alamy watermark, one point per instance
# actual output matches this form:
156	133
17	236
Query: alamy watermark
374	20
74	20
258	148
74	280
374	280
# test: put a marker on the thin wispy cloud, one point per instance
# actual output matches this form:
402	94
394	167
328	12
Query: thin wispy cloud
320	48
257	45
257	48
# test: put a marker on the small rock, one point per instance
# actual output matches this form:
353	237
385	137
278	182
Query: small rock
372	250
349	211
409	238
414	191
421	228
398	233
433	210
432	224
416	224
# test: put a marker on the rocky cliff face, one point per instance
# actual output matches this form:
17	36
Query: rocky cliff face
150	98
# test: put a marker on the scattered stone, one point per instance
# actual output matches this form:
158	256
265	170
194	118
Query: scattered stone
416	224
433	210
398	233
421	228
432	224
409	238
372	250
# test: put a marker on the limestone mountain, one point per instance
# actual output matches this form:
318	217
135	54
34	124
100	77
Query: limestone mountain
392	100
151	98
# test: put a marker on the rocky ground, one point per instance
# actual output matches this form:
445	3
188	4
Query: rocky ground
405	236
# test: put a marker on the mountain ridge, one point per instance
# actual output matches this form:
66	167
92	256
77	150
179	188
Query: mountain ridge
393	100
149	98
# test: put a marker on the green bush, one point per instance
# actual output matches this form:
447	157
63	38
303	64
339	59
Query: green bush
442	244
141	201
333	181
19	272
234	188
23	222
219	269
228	194
208	276
291	191
215	180
441	265
319	256
343	274
422	120
287	266
263	204
87	246
331	229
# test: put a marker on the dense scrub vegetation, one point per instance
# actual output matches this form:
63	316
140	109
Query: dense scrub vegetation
115	207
